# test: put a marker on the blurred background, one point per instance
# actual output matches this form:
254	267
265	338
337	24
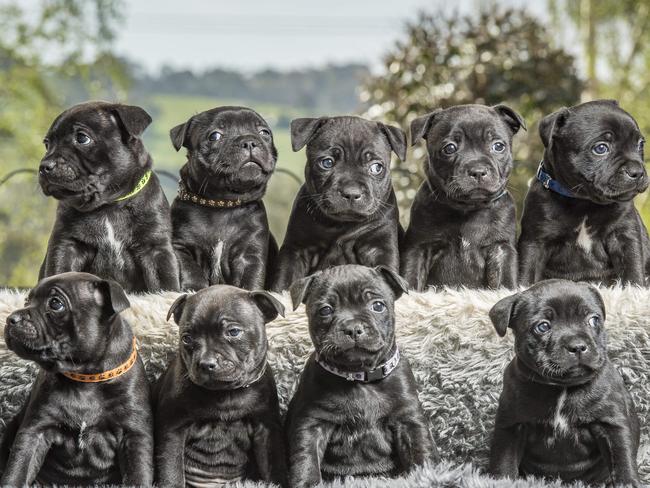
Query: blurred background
381	59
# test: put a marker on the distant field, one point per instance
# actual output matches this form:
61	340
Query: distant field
171	110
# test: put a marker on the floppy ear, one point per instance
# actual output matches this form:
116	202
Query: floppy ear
113	296
268	304
177	308
302	130
549	124
134	119
598	297
501	313
392	279
421	125
396	138
300	289
178	134
511	118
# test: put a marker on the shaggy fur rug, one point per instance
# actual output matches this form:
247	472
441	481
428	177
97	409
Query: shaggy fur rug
457	358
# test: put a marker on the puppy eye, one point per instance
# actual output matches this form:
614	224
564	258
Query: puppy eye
82	138
326	163
264	132
234	332
56	304
215	135
595	321
450	148
542	327
325	311
376	169
600	149
187	339
378	306
498	147
641	145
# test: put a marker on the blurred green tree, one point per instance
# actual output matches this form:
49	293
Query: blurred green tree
41	48
497	56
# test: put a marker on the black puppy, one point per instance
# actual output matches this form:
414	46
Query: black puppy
356	410
220	230
346	211
88	419
113	217
564	411
579	220
462	226
217	413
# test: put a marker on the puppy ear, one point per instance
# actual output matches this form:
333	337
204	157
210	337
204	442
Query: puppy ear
300	289
178	135
177	308
112	296
421	125
134	119
302	130
549	124
396	139
501	313
598	297
510	117
395	281
268	304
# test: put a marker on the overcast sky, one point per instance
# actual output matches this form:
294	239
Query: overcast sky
256	34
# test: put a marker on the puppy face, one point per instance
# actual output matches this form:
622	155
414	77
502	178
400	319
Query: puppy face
559	329
223	335
470	149
351	313
596	150
229	148
93	152
348	163
66	321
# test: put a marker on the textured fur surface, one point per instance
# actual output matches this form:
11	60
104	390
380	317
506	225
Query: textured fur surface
456	355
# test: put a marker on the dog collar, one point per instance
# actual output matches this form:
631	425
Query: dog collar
107	375
379	373
259	377
187	196
141	184
551	184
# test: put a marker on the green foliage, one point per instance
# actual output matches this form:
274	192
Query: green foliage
501	56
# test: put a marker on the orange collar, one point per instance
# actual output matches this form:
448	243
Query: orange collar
107	375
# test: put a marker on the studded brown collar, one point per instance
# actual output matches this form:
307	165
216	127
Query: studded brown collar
187	196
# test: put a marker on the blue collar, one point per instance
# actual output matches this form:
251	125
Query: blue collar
550	184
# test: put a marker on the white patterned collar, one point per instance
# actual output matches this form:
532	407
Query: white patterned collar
379	373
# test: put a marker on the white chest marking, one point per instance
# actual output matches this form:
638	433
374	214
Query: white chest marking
114	244
560	423
217	252
464	243
81	440
583	239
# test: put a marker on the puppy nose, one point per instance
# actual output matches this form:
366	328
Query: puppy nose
633	171
351	193
14	319
249	144
353	331
477	172
47	166
208	365
576	347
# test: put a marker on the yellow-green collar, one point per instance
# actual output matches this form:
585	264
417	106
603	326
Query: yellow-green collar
141	184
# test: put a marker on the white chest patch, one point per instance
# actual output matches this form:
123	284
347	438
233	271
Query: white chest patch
81	440
464	243
217	252
114	245
583	239
560	422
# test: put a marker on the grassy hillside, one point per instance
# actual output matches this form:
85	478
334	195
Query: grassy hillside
170	110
